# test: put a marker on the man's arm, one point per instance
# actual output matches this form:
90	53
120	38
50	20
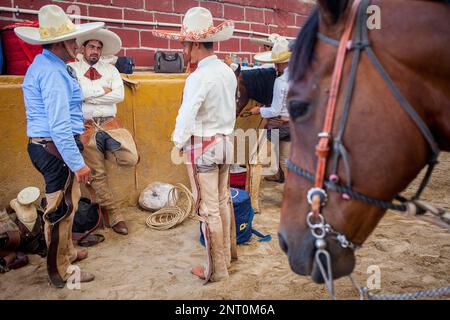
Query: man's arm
194	94
116	94
56	92
93	90
277	102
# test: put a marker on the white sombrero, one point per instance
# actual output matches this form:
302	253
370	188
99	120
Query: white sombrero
23	206
111	41
280	53
266	41
28	195
54	26
198	26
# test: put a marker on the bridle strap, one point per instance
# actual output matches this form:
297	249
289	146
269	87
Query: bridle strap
323	147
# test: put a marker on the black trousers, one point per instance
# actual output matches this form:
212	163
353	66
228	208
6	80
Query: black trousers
54	171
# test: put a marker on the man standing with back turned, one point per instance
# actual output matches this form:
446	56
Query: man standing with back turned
203	131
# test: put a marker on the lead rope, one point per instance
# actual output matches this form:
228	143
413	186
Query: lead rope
364	293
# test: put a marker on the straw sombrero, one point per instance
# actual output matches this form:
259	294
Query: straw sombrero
54	26
111	41
198	26
280	53
266	41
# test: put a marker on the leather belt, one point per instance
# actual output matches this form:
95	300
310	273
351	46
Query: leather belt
46	140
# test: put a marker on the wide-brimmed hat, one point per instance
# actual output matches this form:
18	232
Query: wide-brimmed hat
28	195
24	206
270	41
198	26
54	26
111	41
280	53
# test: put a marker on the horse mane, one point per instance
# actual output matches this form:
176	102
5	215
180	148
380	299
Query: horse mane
259	84
303	51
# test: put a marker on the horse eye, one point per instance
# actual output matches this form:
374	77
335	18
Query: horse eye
297	108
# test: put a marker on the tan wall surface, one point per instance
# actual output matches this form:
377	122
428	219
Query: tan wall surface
150	116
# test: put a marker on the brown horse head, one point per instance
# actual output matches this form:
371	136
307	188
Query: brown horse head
384	147
242	96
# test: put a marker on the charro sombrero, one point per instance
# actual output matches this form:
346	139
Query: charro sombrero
54	26
23	206
28	195
266	41
198	26
280	53
111	41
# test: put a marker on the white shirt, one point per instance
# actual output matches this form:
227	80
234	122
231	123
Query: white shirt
279	105
209	105
96	103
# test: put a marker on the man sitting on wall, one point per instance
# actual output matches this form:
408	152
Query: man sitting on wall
103	88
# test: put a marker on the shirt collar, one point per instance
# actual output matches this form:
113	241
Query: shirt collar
207	60
50	55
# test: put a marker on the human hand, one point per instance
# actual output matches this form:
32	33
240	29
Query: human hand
255	110
84	175
107	90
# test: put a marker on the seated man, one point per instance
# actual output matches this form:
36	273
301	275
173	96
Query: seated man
102	88
277	114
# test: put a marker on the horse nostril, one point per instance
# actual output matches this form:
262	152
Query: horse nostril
283	243
297	108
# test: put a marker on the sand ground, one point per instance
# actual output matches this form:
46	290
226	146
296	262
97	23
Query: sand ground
148	264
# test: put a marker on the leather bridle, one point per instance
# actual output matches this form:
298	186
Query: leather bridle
317	196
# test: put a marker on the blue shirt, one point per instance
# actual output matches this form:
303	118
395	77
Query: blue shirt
53	100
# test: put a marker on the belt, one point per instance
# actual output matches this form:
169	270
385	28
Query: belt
41	140
99	120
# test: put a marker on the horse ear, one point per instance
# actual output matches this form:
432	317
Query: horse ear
331	10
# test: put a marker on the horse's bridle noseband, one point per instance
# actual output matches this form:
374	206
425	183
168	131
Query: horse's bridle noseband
317	196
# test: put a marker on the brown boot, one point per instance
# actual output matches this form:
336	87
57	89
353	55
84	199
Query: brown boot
81	255
278	177
120	228
86	276
114	219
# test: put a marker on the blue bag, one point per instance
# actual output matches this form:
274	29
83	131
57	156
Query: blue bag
125	65
243	214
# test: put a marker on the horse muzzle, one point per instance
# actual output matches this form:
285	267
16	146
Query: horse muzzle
302	252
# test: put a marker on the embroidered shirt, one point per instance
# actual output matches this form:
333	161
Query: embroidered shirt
209	105
279	105
53	102
96	102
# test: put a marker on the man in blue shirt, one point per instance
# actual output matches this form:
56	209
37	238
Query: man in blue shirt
53	102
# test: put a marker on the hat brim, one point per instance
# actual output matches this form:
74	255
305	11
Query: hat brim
262	42
222	32
28	195
31	35
267	57
111	41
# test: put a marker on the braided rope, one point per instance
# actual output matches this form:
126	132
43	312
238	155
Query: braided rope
408	296
171	216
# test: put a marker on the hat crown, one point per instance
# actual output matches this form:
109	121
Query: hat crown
197	19
274	37
53	22
280	46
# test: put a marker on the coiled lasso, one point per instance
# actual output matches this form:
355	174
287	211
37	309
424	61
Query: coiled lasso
172	215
